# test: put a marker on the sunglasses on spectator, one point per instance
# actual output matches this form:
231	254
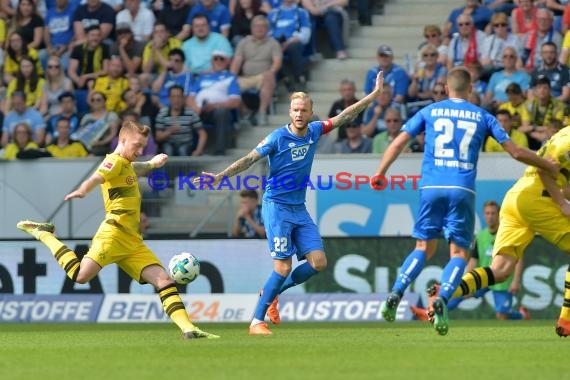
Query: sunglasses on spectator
429	55
219	58
439	92
392	120
53	66
508	56
431	35
501	24
464	24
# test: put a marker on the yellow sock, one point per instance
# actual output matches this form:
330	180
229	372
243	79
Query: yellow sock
565	311
174	307
478	278
66	258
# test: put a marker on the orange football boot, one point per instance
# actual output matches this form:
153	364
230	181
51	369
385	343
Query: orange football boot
259	329
273	312
563	328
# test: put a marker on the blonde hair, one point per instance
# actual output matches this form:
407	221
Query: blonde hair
429	48
132	127
500	17
303	96
432	29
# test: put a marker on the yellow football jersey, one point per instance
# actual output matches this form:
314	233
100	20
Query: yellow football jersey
121	194
558	148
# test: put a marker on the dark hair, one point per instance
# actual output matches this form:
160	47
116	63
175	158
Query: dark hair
491	203
177	51
65	94
92	27
34	77
503	112
249	194
514	88
64	119
201	15
543	79
175	87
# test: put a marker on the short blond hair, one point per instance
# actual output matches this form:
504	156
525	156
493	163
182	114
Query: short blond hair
303	96
131	127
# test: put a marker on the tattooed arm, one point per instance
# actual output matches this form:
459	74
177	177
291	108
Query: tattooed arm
239	166
145	166
351	112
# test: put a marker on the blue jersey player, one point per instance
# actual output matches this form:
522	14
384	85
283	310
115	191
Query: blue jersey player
290	230
454	130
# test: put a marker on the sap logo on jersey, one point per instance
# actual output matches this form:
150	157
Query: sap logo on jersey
299	152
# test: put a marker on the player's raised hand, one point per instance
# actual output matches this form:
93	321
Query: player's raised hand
207	179
159	160
379	87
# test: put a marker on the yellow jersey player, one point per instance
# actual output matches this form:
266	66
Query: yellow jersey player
118	239
537	203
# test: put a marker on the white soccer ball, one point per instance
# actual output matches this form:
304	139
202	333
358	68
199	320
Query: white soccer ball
184	268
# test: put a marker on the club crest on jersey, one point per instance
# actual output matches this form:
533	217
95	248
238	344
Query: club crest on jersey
299	152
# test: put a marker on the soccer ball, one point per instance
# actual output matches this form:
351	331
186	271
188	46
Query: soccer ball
184	268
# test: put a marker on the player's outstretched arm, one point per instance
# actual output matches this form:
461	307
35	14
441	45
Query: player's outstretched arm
239	166
530	158
85	187
556	193
392	152
157	161
350	113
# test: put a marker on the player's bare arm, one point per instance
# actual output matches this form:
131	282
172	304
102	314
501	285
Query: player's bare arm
157	161
350	113
239	166
531	158
86	186
556	193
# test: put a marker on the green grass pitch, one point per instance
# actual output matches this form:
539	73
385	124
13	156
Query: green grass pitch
296	351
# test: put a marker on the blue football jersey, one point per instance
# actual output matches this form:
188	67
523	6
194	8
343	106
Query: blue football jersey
455	131
290	159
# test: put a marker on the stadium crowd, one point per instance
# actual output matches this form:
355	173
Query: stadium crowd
194	70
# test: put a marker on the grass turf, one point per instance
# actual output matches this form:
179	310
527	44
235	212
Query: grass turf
471	350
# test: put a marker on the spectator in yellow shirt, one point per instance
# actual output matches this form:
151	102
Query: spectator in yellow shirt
22	141
63	146
519	138
517	108
27	81
113	85
155	53
15	50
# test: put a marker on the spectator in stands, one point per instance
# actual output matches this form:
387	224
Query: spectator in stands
28	81
501	6
479	15
523	18
93	13
393	121
291	27
21	141
438	93
556	72
198	49
63	146
516	105
332	15
88	61
98	127
66	109
495	44
20	113
176	75
151	148
216	97
466	46
496	89
433	36
257	61
477	84
245	11
429	72
544	108
140	18
140	102
534	38
14	52
347	90
355	141
113	85
394	75
29	24
374	115
565	20
418	143
557	9
519	138
128	49
58	32
173	15
178	126
248	222
218	16
155	54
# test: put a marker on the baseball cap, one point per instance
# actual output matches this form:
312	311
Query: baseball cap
385	50
220	53
123	26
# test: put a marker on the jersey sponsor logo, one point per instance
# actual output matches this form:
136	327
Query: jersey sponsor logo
299	152
107	165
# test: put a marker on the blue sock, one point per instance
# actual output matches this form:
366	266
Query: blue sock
410	269
451	277
452	304
270	290
299	275
513	314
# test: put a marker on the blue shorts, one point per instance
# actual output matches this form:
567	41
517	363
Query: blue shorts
447	211
503	301
290	230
